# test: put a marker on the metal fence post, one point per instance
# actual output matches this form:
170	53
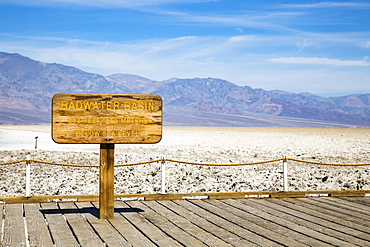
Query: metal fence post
36	142
285	174
28	176
163	183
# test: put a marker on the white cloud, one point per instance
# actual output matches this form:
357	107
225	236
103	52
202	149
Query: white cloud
240	38
317	81
328	5
191	63
98	3
240	30
319	60
304	44
169	44
366	44
156	59
239	59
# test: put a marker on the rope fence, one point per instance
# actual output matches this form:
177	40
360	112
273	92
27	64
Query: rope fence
186	163
163	167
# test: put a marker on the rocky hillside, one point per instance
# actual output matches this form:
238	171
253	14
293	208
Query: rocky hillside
26	88
220	96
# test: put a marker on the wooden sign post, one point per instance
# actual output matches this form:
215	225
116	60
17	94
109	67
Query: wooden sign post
106	119
106	190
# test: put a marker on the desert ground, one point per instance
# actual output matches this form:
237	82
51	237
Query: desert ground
206	145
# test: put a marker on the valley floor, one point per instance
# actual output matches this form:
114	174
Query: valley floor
205	145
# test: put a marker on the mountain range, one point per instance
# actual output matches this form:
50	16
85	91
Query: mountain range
27	86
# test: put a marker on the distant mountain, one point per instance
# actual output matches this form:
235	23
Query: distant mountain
220	96
26	88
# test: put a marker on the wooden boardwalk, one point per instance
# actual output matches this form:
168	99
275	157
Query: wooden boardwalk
319	221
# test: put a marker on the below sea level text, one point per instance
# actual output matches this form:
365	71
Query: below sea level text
107	133
107	120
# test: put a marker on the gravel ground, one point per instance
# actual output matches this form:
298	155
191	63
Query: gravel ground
203	145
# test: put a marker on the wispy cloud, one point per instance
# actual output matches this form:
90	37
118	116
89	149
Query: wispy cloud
241	38
244	43
157	46
319	60
366	44
327	5
304	44
100	3
192	56
253	20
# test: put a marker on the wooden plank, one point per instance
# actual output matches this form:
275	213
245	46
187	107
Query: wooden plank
83	231
342	213
186	225
151	231
359	200
226	224
308	209
354	208
250	222
347	193
226	196
14	231
254	215
291	194
166	226
125	228
47	198
262	216
336	212
23	199
38	232
59	229
106	181
106	118
103	228
173	196
163	197
207	226
317	224
309	236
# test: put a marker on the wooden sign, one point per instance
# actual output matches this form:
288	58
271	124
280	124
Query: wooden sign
106	118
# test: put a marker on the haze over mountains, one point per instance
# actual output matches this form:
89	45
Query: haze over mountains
27	86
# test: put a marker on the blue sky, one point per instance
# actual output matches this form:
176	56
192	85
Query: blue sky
322	47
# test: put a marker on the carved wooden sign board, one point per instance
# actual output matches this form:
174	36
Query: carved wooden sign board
106	118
